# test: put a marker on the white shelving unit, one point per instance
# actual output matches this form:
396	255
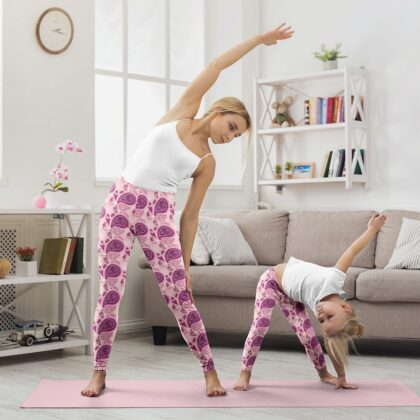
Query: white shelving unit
351	134
85	281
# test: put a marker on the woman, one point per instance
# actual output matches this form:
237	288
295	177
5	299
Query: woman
142	203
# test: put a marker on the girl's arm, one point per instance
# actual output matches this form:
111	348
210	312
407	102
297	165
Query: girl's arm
341	374
189	103
375	223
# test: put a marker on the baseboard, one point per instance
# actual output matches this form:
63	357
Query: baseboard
133	325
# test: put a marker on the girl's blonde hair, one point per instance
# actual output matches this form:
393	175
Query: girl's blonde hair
338	344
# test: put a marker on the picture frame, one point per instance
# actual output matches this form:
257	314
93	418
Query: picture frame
302	170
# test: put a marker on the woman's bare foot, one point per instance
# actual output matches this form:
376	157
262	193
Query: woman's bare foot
213	386
243	381
96	385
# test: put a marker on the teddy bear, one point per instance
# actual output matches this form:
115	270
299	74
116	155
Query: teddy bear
282	118
5	268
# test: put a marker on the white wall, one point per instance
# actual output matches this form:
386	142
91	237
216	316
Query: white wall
383	37
49	98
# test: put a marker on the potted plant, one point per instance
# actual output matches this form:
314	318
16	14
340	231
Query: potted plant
288	170
48	197
25	266
329	56
278	171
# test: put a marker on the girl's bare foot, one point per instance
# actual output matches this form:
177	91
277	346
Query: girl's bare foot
96	385
213	386
243	381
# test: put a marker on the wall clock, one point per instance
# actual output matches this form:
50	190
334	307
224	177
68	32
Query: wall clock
54	30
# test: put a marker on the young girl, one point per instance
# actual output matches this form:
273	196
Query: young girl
299	283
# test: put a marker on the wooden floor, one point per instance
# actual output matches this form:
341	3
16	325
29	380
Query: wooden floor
135	357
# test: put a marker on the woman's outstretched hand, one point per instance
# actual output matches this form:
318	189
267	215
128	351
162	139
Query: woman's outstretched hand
278	34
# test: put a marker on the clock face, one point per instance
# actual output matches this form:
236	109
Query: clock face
55	30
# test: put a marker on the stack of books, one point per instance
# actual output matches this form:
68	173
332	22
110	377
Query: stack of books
327	110
335	163
61	256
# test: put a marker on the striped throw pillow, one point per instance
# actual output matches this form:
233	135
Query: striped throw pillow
407	250
224	242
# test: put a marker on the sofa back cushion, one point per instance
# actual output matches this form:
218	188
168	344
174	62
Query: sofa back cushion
264	230
388	235
321	237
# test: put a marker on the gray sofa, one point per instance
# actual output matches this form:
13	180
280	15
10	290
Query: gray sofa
387	301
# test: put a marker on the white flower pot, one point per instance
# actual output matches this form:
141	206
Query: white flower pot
26	268
330	65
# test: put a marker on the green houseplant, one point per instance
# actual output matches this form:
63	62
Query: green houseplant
329	56
288	170
278	171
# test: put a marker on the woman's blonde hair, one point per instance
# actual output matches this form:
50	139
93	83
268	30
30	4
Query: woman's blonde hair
232	105
338	343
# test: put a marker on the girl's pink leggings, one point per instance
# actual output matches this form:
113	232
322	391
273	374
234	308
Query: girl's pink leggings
268	296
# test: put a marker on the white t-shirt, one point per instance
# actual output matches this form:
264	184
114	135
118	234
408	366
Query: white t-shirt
308	283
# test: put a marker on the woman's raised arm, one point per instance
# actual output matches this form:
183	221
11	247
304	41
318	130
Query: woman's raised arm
189	103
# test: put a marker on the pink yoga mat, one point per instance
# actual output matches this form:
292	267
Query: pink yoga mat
128	393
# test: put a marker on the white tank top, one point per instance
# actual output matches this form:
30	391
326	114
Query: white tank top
308	283
162	160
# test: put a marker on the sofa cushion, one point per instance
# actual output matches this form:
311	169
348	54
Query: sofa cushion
264	230
381	285
226	280
387	236
321	237
407	250
225	242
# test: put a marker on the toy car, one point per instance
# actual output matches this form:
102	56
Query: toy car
29	332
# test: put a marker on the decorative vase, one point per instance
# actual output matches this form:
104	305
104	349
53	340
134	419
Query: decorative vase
330	65
287	175
26	268
39	201
53	199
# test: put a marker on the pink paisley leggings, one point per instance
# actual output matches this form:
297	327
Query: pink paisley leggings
130	211
268	295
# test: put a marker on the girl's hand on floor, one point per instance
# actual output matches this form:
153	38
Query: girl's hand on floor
189	285
342	383
278	34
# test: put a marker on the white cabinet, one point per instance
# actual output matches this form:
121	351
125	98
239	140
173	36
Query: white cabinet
74	290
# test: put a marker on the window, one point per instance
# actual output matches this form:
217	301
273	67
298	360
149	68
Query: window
145	56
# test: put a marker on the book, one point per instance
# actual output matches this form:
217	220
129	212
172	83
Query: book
327	165
332	164
306	111
338	117
324	164
54	255
319	110
313	110
77	263
324	110
341	160
330	102
70	256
